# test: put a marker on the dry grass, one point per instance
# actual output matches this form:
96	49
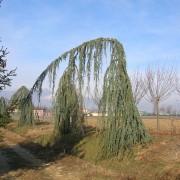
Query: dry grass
167	124
160	159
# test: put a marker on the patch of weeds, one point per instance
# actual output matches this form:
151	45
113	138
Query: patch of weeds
45	140
88	148
66	143
21	130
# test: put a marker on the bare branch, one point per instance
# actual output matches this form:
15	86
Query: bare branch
160	83
138	86
177	85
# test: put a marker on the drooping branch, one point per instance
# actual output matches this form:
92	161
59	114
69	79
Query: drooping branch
66	105
85	53
122	123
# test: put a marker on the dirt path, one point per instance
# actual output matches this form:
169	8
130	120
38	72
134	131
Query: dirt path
18	163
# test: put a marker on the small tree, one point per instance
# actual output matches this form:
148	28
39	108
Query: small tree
23	102
160	84
4	75
138	86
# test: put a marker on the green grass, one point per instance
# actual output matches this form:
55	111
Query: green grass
44	140
88	148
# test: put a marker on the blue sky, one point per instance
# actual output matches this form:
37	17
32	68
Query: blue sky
36	32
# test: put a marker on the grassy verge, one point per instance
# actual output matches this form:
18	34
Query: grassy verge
158	161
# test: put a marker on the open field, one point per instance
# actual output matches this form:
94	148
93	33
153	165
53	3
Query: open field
167	124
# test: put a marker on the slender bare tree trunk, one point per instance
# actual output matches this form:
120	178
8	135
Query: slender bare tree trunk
157	114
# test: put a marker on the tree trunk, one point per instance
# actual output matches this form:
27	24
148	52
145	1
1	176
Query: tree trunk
157	113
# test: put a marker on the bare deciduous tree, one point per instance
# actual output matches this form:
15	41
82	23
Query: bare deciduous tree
177	84
138	86
160	84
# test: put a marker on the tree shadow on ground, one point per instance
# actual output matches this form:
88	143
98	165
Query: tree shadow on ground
62	146
12	161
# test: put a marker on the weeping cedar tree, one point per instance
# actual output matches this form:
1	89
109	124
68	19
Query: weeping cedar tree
66	105
23	102
122	127
20	101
